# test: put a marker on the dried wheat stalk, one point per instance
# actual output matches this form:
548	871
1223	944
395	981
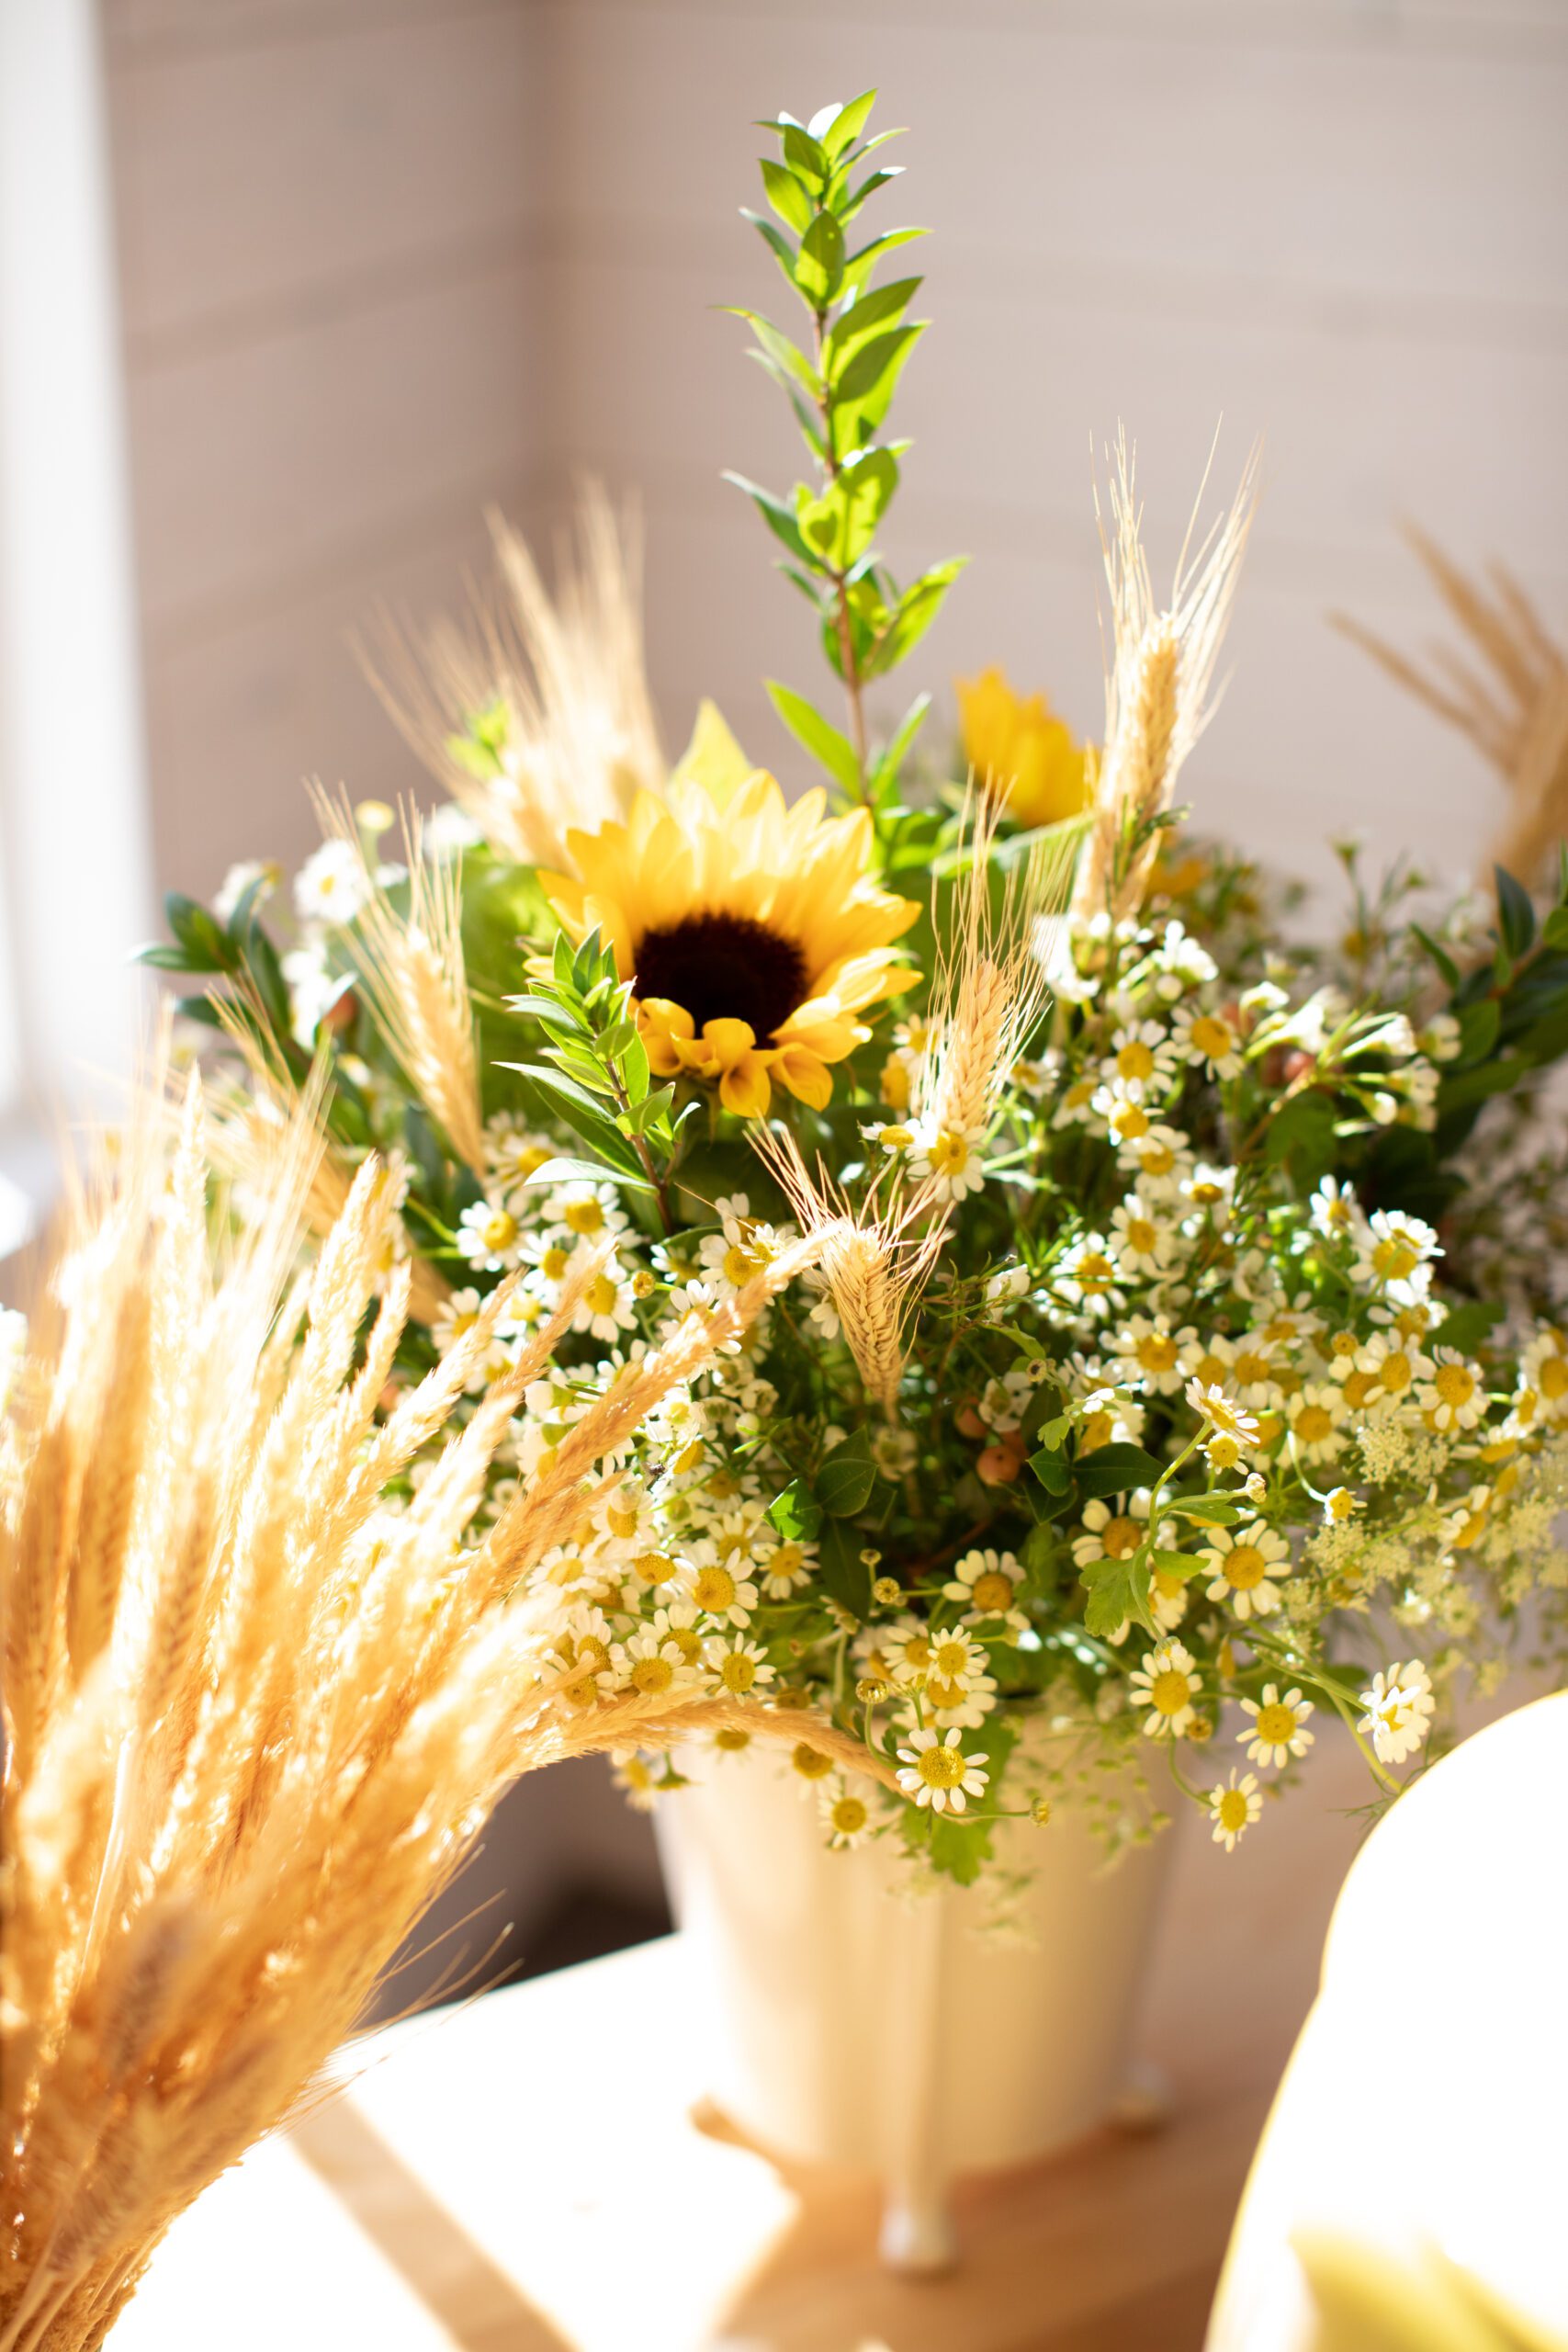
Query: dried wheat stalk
570	673
991	984
255	1712
413	971
872	1264
1157	686
1510	697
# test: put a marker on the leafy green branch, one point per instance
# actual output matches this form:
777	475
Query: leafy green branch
839	387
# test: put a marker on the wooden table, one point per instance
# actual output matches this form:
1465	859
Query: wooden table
535	2171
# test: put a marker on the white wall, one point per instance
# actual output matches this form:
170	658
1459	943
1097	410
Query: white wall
333	356
1339	222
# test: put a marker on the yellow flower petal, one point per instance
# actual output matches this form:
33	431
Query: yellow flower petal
744	1088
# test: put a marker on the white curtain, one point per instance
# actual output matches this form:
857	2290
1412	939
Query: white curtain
74	885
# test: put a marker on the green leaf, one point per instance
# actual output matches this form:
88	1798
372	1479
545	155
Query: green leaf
207	948
779	518
845	1475
779	246
885	772
872	368
786	195
917	607
1478	1026
801	151
810	729
165	958
844	1574
1118	1592
1555	930
1113	1469
1439	956
837	128
1516	915
795	1513
560	1009
1211	1510
820	271
1050	1467
565	1170
868	188
864	317
783	358
859	267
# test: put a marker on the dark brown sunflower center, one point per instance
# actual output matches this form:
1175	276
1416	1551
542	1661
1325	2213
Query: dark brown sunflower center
724	968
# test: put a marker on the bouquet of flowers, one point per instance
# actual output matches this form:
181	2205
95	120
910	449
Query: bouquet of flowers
1136	1394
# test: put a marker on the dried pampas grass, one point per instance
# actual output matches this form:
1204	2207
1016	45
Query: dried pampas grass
255	1710
1157	685
569	673
1506	689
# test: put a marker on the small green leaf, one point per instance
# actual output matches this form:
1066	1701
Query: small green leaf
1051	1467
563	1170
1439	956
1113	1469
795	1513
1478	1026
1555	930
1211	1510
786	195
886	771
778	517
811	729
820	271
845	1475
1515	914
859	267
837	128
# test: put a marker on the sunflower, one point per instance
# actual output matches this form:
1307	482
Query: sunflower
1022	752
752	930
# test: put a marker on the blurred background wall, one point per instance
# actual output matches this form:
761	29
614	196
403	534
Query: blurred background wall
381	262
386	260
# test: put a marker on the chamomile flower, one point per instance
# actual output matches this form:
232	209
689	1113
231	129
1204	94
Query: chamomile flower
786	1569
1161	1157
1207	1041
608	1304
1335	1211
1111	1534
633	1775
947	1159
588	1212
1395	1253
1208	1188
716	1589
653	1666
937	1773
904	1651
514	1152
1242	1562
846	1818
1141	1241
1088	1278
1166	1684
1149	1353
1399	1710
489	1236
1396	1369
333	886
1168	1599
1143	1056
985	1584
1315	1418
1278	1729
1454	1397
1234	1807
1221	1412
738	1665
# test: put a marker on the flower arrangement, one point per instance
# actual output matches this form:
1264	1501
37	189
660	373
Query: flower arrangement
1134	1393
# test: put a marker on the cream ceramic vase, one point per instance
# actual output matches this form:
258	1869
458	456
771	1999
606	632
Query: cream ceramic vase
854	2025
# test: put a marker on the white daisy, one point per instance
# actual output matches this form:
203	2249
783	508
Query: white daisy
1234	1808
947	1159
1278	1729
1166	1684
937	1773
489	1236
1242	1562
1400	1706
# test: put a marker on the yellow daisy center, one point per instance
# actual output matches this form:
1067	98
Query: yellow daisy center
1130	1121
1454	1384
1141	1236
1232	1810
740	1264
601	1294
1395	1260
498	1230
739	1672
951	1658
1120	1538
1157	1354
583	1216
1245	1568
1211	1038
554	1263
992	1591
940	1768
1276	1725
1555	1378
653	1674
1169	1691
714	1590
942	1692
1396	1371
1134	1060
1252	1369
811	1762
948	1154
1314	1424
848	1816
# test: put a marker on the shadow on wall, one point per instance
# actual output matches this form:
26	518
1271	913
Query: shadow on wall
565	1872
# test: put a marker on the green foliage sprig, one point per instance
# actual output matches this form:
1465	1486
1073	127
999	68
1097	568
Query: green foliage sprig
840	387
